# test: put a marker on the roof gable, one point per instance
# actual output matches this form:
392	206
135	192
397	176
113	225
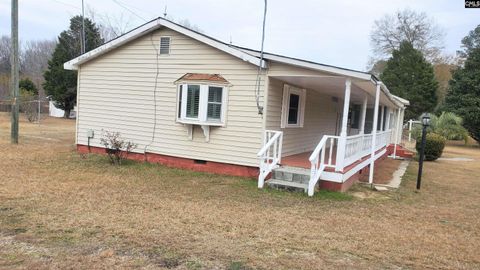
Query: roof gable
152	26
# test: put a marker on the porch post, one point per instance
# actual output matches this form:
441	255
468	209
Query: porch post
382	113
363	113
342	141
374	132
397	127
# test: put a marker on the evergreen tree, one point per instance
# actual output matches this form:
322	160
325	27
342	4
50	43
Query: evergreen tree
27	85
410	76
470	42
61	84
463	97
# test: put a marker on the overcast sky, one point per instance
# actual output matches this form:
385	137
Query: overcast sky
330	32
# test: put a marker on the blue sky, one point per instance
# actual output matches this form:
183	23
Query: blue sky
330	32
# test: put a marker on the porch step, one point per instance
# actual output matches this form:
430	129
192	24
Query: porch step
292	174
277	183
290	178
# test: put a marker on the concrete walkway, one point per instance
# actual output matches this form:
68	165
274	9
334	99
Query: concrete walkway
397	177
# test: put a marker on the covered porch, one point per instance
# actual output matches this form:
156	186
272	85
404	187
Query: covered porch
330	124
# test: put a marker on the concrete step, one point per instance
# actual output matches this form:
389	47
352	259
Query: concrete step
292	174
278	183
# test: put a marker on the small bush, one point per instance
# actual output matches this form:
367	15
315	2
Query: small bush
433	146
117	148
28	105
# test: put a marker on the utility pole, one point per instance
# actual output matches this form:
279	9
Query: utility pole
14	73
84	43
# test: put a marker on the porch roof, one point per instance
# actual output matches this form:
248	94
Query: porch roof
361	81
335	86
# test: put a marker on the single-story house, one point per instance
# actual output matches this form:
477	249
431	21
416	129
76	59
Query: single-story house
191	101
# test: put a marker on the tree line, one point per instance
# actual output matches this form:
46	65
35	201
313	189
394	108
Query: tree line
408	58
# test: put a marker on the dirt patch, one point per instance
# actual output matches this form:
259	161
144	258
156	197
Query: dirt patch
383	172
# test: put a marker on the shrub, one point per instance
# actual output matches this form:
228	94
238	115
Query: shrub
117	148
27	85
450	126
433	146
28	105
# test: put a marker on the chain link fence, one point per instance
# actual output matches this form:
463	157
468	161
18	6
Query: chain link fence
32	108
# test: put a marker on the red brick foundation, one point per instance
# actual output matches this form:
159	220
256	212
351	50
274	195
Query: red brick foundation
342	187
228	169
401	152
183	163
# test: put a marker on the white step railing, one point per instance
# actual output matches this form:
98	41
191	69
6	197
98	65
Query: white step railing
270	155
317	160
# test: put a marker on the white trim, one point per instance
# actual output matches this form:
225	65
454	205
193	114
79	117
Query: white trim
315	66
374	133
77	115
154	25
202	106
342	141
287	91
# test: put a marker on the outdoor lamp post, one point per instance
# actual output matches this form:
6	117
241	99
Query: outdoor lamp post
425	124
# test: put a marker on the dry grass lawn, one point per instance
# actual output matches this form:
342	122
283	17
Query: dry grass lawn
60	210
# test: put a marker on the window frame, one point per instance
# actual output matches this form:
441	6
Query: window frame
288	90
160	46
202	118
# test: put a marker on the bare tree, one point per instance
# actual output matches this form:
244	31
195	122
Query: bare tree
186	23
406	25
5	52
35	56
34	60
109	26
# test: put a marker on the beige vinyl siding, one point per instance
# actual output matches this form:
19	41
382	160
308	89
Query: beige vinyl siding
117	94
278	69
320	119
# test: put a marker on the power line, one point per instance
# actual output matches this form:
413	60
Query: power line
67	4
258	81
138	9
131	11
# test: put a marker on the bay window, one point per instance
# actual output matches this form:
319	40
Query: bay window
201	104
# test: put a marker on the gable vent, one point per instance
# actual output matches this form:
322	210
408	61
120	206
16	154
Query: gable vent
164	45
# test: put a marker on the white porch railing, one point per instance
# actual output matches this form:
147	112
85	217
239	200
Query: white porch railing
317	159
356	147
270	155
383	139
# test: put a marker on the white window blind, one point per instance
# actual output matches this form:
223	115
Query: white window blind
193	101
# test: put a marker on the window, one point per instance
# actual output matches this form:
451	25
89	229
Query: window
202	104
164	45
193	101
354	116
293	107
214	107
